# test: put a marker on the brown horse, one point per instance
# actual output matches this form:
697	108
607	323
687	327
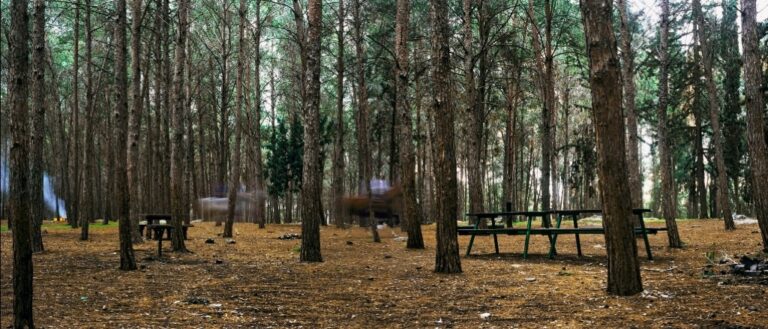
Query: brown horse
386	206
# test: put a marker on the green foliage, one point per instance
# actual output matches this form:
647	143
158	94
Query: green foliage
284	158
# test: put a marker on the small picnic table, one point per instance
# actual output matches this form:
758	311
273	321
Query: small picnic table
550	232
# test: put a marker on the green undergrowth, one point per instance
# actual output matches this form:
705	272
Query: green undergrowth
57	226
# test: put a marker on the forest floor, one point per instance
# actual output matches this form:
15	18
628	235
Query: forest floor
259	282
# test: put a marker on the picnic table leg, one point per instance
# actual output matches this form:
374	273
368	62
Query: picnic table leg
645	236
471	241
159	236
553	240
527	236
472	238
578	240
495	237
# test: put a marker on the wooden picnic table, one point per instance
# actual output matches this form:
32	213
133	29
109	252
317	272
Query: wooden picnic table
154	219
550	232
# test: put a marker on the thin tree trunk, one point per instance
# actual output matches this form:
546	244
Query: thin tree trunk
19	198
474	115
177	147
234	181
258	167
407	159
623	266
74	199
338	145
37	140
628	78
667	182
127	259
447	251
134	120
723	204
365	170
758	151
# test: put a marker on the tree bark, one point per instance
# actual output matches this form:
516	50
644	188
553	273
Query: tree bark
731	109
338	145
258	167
667	182
177	145
311	215
758	151
19	198
365	170
134	120
623	267
37	140
407	159
474	115
723	205
447	251
127	259
74	197
628	78
234	181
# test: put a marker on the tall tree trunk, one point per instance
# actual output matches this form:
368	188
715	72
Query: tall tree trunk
708	54
628	78
234	181
365	170
177	146
311	215
19	198
37	140
134	120
474	115
338	145
758	151
127	259
87	204
667	182
731	109
74	198
698	113
544	67
623	267
447	251
407	158
258	167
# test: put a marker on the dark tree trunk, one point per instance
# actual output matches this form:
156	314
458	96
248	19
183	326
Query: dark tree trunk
177	146
447	251
365	170
338	145
74	193
474	115
758	151
544	79
87	204
37	140
723	205
407	159
127	260
19	198
234	181
623	267
258	168
311	215
731	109
134	120
628	78
667	182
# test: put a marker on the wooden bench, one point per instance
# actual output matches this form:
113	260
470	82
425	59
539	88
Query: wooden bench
551	232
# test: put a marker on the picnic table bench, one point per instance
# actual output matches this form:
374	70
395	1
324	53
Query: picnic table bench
551	232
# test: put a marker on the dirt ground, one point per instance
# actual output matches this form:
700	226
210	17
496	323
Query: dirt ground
258	282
